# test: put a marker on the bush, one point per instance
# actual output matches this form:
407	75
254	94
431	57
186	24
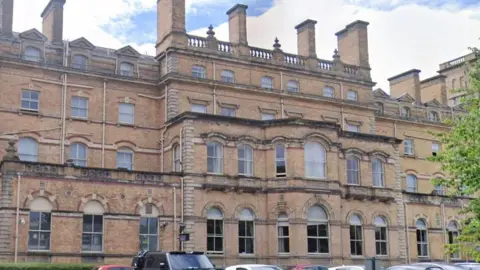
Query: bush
45	266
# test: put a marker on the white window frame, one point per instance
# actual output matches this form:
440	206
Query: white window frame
411	183
246	221
267	83
40	231
353	128
199	72
245	161
77	65
177	163
148	235
433	116
129	114
353	172
311	221
439	189
352	95
124	151
268	116
30	155
282	222
279	160
383	229
30	100
215	219
74	155
357	237
81	112
329	91
29	56
452	233
127	69
93	233
319	160
435	147
199	108
293	86
216	158
423	242
380	173
408	146
228	76
226	111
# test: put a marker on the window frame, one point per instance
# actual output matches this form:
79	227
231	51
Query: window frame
120	113
264	82
408	144
353	171
451	236
176	158
218	159
357	237
30	100
266	118
317	223
424	241
382	229
199	72
293	86
216	235
405	112
124	72
78	161
314	163
198	105
230	78
78	108
30	57
80	66
435	147
124	151
242	221
40	231
33	154
353	128
381	172
433	116
409	179
93	233
326	92
280	160
228	111
355	93
283	222
148	234
247	163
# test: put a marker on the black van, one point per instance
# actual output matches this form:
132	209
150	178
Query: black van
175	260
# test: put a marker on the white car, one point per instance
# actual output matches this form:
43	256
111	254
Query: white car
348	267
253	267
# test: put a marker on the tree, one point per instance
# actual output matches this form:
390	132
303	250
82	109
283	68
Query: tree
460	160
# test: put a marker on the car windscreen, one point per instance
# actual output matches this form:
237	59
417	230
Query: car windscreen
189	261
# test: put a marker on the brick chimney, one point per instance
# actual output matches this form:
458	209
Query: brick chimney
353	44
6	12
237	23
52	17
170	24
306	39
407	82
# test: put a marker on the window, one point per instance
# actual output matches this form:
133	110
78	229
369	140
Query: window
126	69
125	158
408	147
40	224
439	190
92	237
353	171
454	84
78	153
380	236
379	107
411	183
268	116
457	100
462	82
126	113
199	108
280	161
433	116
198	72
30	100
177	165
452	231
148	233
314	160
79	107
352	95
317	230
245	160
422	238
32	54
292	86
28	149
377	173
214	158
353	128
405	113
246	232
214	231
435	148
80	62
266	82
356	236
228	112
283	234
328	92
228	76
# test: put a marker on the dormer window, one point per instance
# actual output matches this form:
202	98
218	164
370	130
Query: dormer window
405	112
433	116
80	62
32	54
126	69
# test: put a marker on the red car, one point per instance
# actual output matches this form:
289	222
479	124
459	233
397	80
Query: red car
112	267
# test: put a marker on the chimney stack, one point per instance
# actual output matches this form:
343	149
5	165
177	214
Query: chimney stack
6	12
306	39
170	24
52	17
407	82
353	44
237	23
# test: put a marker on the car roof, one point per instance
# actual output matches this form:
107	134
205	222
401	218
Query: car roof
114	265
252	265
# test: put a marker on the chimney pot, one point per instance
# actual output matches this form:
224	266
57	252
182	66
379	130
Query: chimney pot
306	38
353	44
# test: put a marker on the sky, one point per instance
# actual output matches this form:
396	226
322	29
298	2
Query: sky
403	34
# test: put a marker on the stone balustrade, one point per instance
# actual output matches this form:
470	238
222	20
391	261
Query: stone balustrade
366	193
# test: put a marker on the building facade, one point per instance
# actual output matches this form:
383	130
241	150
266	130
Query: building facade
260	155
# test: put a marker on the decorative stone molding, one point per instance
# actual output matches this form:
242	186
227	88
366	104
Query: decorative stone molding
149	200
198	101
293	114
240	207
43	194
268	110
94	197
228	105
218	205
316	200
330	119
365	221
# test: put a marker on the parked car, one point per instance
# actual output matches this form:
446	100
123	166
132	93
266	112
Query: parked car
309	267
469	266
253	267
112	267
161	260
407	267
438	266
348	267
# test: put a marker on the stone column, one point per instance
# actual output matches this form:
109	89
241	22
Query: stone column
402	240
188	163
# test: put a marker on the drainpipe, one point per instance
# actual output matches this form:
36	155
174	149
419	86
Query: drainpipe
214	100
281	81
64	114
395	129
17	213
406	231
183	204
444	230
104	115
174	216
341	112
282	106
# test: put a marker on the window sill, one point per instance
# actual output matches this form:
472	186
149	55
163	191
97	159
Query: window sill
214	174
315	178
246	255
283	254
30	112
40	252
93	253
410	156
215	255
76	118
316	255
126	125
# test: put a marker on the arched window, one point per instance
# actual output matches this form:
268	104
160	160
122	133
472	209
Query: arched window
292	86
353	170
228	76
245	160
80	62
452	231
433	116
405	113
462	82
246	232
148	234
356	235
266	82
439	190
379	107
328	92
454	84
177	166
32	54
280	161
377	173
28	149
92	236
199	72
412	183
283	234
214	158
352	95
40	224
125	158
381	239
317	230
422	238
214	231
314	160
126	69
78	154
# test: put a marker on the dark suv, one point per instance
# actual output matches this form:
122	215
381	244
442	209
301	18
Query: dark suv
178	260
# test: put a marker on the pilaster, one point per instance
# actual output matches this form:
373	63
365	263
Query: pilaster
401	223
188	163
